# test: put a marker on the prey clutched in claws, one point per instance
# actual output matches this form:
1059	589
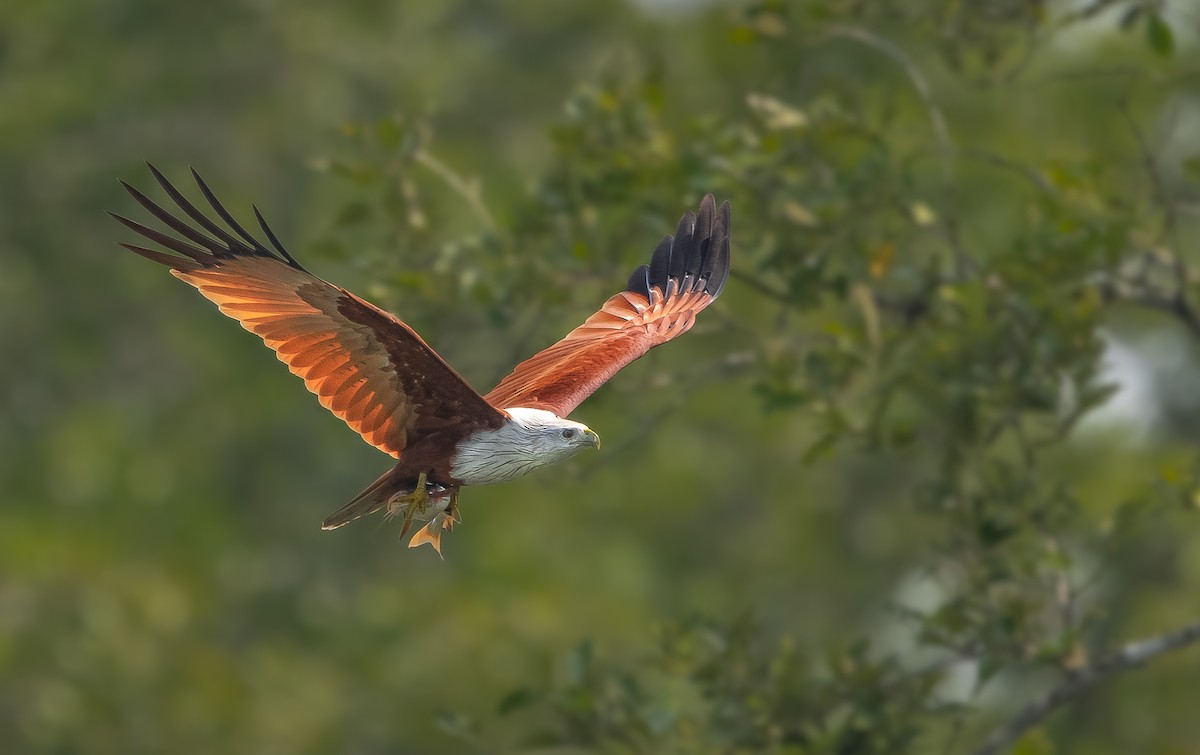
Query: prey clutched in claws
428	502
376	374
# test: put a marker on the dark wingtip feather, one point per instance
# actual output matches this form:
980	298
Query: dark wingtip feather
681	247
719	272
225	244
158	174
262	223
225	215
162	258
174	244
706	216
639	281
172	222
697	255
660	263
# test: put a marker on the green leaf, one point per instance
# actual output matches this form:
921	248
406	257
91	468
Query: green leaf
820	448
1034	742
1159	35
1191	167
520	697
390	131
353	213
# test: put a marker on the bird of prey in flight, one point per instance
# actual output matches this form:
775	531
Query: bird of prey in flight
377	375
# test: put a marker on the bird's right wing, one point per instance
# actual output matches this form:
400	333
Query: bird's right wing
686	273
366	366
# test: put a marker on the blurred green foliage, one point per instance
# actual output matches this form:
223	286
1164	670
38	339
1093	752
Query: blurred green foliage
867	505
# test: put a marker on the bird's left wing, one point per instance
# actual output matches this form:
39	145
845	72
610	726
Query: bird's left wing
367	367
686	273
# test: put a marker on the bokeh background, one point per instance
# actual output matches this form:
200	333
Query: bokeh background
489	172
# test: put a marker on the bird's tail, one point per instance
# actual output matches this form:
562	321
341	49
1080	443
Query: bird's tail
370	500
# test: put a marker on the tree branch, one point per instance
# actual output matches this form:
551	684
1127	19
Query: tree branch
1130	656
468	190
1034	177
1179	302
964	262
919	82
1176	305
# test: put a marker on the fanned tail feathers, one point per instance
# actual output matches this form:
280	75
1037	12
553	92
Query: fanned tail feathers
370	500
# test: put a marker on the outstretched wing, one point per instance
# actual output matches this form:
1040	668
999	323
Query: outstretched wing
661	301
367	367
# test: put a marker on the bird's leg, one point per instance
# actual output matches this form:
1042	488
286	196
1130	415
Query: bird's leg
453	516
410	504
432	532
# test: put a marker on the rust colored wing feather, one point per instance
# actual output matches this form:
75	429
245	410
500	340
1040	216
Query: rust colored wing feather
368	368
686	273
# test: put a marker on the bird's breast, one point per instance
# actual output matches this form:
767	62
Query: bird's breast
490	456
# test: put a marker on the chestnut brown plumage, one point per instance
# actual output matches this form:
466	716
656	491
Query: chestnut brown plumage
376	374
661	301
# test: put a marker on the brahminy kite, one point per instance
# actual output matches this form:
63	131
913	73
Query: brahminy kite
377	375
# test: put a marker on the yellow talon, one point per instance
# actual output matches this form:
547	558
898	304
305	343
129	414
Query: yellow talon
410	505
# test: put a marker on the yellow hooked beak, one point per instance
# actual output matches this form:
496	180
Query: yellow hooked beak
593	437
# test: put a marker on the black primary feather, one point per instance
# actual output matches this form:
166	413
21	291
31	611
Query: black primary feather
209	249
696	257
639	281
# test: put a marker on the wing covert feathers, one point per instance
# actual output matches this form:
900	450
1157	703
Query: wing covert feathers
367	367
686	273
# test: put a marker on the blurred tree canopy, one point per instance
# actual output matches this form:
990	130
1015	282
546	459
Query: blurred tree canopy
924	480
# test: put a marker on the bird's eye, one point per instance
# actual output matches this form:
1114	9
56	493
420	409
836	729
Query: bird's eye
568	433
